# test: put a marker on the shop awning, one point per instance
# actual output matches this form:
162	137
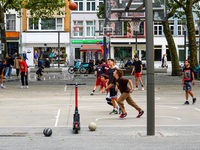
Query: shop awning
91	48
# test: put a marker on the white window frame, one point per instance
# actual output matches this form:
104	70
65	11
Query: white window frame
181	25
79	26
13	27
92	28
100	2
91	1
78	4
40	26
158	25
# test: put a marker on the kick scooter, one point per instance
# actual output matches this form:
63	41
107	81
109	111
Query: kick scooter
76	121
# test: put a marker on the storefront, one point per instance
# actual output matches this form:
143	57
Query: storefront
87	50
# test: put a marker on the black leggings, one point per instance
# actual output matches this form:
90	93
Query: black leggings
26	78
17	71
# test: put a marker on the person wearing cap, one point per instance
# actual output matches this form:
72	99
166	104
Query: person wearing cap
39	73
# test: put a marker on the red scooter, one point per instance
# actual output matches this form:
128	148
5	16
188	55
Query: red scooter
76	122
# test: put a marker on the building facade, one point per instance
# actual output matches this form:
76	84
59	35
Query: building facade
43	36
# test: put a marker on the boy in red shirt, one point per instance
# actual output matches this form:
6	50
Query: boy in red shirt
23	72
125	93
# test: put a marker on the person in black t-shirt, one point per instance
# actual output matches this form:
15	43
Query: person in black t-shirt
39	73
98	72
137	66
188	76
2	69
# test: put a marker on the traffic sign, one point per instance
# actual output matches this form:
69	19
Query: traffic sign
2	46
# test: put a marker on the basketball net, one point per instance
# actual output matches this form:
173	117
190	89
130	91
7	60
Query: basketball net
135	25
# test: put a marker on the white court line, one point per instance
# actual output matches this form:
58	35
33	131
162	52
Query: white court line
155	116
57	117
197	109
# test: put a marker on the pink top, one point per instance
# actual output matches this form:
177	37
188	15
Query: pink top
103	84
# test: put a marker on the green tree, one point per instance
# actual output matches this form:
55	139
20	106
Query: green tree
189	6
37	8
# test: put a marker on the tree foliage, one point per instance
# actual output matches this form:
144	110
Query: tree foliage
37	8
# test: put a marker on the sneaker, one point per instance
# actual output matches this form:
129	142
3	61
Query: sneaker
109	103
120	111
186	103
142	88
10	77
27	87
123	115
140	114
194	100
4	77
3	87
92	93
22	87
135	89
113	112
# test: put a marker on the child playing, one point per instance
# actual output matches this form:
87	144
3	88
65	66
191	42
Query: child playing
39	73
125	93
188	76
2	69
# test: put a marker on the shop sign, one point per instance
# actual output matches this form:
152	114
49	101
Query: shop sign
88	41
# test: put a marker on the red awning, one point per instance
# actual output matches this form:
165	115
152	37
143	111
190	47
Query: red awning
91	48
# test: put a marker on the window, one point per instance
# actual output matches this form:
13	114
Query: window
101	25
100	2
196	27
181	52
90	28
181	28
79	4
122	53
157	53
168	53
143	55
33	24
46	24
78	28
171	26
90	5
77	53
158	28
10	22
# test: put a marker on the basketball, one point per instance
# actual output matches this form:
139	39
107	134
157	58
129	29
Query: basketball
92	126
47	132
72	6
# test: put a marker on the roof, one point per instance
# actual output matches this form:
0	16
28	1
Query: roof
86	48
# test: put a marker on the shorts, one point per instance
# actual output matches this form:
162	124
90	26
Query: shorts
187	86
138	75
39	73
113	93
98	81
36	61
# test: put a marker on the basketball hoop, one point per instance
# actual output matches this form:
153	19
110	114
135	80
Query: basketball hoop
135	25
108	35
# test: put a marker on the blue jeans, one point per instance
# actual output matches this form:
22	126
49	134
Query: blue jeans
8	71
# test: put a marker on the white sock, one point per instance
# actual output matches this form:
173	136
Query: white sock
1	84
115	109
186	100
193	97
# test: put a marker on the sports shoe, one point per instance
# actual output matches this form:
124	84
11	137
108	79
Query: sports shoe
4	77
123	115
22	87
92	93
3	87
27	87
120	111
142	88
10	77
186	103
113	112
194	100
135	89
140	114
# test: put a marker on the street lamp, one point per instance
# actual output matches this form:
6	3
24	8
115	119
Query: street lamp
2	25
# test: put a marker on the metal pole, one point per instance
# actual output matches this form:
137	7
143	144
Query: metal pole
58	49
104	47
185	45
20	51
104	38
199	40
136	42
109	48
150	69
